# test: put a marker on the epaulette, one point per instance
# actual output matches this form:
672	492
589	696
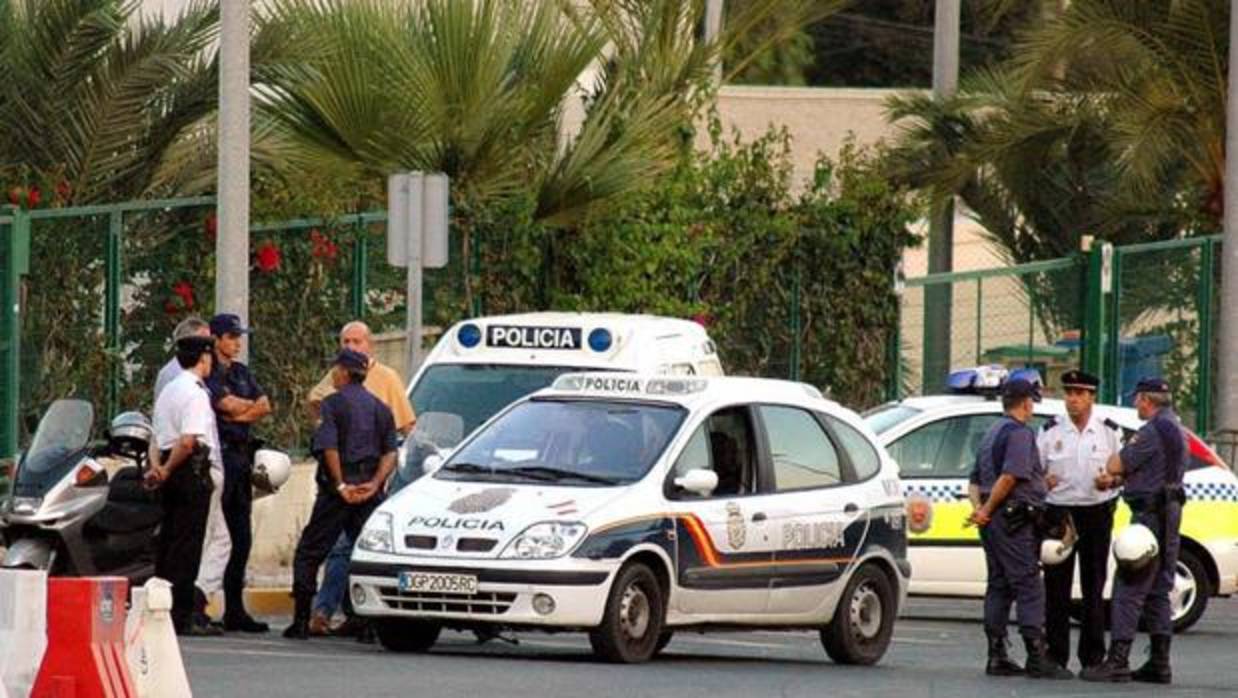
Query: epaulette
1113	425
1049	424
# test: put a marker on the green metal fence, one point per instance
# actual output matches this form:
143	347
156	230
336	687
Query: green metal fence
1122	313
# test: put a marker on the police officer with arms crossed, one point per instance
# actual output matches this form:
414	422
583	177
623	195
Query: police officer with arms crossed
239	403
1073	450
1150	467
1007	491
186	437
356	447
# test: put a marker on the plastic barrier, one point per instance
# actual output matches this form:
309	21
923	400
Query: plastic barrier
85	655
153	653
23	629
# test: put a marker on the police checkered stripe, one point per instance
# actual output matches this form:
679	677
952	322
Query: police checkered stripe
935	492
1212	491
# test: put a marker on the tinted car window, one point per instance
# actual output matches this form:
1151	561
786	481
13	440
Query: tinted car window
802	453
860	450
943	449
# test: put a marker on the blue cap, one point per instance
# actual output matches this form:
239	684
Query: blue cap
1152	385
227	323
351	359
1020	388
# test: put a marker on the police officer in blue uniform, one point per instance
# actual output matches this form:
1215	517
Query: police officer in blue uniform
356	448
1150	468
1074	448
1008	493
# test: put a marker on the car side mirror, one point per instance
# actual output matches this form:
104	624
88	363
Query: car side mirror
698	481
431	463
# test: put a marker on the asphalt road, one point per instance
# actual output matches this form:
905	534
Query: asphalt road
938	651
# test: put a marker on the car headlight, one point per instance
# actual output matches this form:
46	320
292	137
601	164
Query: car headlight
376	537
545	540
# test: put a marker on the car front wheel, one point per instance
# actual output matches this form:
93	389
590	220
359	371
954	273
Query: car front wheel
863	623
632	621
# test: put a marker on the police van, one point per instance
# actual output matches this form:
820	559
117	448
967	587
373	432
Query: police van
632	506
481	365
935	440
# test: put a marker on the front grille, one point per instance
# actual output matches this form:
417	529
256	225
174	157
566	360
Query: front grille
420	542
482	603
476	545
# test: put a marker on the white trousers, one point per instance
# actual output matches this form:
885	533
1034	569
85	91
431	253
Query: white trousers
218	544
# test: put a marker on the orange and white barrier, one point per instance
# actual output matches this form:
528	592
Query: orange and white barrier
85	655
23	629
152	651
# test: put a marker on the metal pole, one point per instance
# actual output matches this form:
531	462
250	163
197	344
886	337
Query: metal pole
1227	375
938	297
1204	311
111	310
413	289
232	243
360	272
713	27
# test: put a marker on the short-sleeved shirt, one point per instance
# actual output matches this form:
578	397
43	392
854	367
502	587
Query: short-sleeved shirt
184	409
1009	448
356	424
385	384
1075	457
233	380
170	371
1155	456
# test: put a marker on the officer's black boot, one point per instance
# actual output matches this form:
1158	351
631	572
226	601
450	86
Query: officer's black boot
1039	666
1116	667
999	663
299	630
1156	669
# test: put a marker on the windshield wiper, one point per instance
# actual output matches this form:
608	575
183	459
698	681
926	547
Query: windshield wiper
468	468
548	473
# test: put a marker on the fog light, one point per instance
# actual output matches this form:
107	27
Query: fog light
358	595
544	604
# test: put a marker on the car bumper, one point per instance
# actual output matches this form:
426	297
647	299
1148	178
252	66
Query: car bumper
505	590
1225	554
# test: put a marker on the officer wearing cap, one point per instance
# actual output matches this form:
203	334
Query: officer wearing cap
185	434
1007	494
1150	469
1074	449
356	448
239	403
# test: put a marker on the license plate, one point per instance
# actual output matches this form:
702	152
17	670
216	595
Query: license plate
438	583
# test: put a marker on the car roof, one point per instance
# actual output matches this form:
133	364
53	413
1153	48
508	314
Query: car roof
936	405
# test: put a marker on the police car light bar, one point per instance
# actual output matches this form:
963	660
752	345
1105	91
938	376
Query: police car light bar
979	380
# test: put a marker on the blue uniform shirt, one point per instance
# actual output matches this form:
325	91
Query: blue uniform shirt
356	424
235	380
1155	456
1015	444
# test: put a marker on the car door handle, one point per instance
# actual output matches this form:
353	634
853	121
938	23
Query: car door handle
851	508
758	517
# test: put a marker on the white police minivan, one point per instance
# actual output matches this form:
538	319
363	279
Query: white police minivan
630	506
481	365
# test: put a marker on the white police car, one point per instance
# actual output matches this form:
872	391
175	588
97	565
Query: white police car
935	439
629	506
483	364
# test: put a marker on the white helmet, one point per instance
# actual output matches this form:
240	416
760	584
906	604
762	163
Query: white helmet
1135	547
1054	551
271	470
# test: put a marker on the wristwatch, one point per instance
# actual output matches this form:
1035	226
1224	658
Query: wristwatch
340	487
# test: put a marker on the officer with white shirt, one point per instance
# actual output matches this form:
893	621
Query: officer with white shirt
188	444
192	326
1074	450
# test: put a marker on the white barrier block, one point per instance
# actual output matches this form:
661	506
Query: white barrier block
23	629
152	651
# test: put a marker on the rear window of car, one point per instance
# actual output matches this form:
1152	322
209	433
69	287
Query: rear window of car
889	415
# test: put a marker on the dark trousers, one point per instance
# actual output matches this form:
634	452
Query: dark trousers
330	517
1146	591
186	503
1094	524
1013	563
237	503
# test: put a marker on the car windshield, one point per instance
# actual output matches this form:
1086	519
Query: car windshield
577	442
476	392
884	417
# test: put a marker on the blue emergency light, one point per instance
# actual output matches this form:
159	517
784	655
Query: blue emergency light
469	336
600	340
988	380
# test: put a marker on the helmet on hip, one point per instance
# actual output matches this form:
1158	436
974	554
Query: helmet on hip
1135	547
271	470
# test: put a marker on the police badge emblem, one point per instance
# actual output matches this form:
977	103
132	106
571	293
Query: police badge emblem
483	501
736	529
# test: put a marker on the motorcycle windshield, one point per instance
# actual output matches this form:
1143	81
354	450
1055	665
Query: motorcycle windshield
62	436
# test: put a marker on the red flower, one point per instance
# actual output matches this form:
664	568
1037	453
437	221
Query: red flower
211	226
63	190
184	291
268	257
703	319
323	246
33	197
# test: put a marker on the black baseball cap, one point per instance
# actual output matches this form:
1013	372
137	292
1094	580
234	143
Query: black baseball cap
227	323
1019	388
1081	380
351	359
1152	385
195	346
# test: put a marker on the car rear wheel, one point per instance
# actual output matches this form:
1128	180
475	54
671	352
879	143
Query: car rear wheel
863	623
633	618
403	635
1189	597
